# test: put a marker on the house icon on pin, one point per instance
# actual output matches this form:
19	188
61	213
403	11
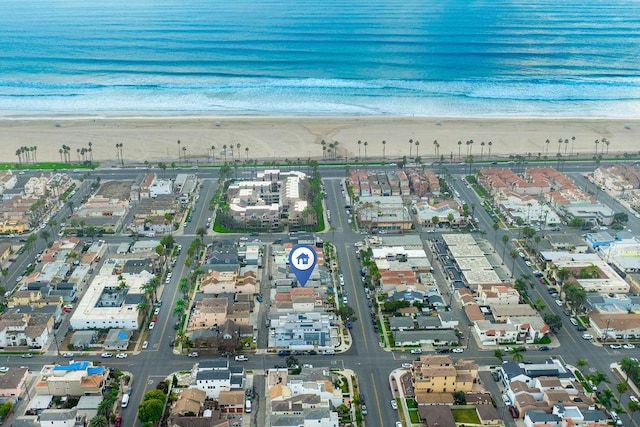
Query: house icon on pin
303	259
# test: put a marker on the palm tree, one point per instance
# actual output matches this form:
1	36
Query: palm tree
184	153
596	142
496	227
459	150
178	309
61	151
238	145
505	239
513	253
179	150
606	142
417	144
566	145
45	235
365	149
98	421
630	367
499	354
213	153
384	146
481	149
246	151
490	144
410	146
359	144
142	308
224	147
573	140
516	354
201	231
90	152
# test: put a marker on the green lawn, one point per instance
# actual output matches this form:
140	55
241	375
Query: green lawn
465	416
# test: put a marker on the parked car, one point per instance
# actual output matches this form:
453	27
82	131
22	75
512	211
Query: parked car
363	409
587	336
152	325
121	356
457	350
145	345
416	351
67	355
514	412
544	348
615	346
106	355
27	355
241	358
394	404
193	354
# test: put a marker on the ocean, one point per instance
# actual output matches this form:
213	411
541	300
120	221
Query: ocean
443	58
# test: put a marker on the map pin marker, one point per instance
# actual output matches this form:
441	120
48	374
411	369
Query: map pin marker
302	260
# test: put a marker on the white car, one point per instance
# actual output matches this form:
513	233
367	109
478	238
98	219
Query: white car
241	358
615	346
106	355
4	369
559	303
67	354
156	311
152	325
394	404
407	365
121	356
416	351
629	346
633	399
457	350
145	345
587	336
193	354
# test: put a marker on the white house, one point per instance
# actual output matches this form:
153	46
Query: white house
213	381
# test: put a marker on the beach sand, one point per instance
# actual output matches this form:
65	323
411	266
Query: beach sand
155	138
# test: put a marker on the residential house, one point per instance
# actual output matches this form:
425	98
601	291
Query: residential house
207	313
74	379
189	401
13	382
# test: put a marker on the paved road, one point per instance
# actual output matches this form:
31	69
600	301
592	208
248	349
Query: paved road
370	362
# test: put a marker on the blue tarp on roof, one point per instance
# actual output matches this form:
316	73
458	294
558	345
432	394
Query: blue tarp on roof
95	370
75	366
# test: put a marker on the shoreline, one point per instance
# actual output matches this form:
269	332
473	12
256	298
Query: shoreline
154	138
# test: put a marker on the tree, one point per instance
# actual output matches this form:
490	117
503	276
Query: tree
495	227
605	398
45	235
513	253
505	239
292	361
98	421
516	354
553	321
154	394
150	411
184	285
582	363
621	388
633	406
630	368
201	231
499	354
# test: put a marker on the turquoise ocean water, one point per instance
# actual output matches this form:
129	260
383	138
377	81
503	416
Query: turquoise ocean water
396	57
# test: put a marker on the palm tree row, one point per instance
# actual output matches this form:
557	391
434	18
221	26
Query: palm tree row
26	154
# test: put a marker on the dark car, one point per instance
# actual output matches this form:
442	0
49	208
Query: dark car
284	353
514	411
581	328
495	375
544	348
444	350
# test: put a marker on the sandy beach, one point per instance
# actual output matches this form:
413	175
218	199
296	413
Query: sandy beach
155	138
